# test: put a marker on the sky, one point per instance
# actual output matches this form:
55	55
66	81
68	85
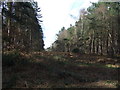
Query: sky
57	14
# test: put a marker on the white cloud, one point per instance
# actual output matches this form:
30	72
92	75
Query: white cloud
56	14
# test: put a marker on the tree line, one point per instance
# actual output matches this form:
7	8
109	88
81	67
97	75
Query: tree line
21	26
96	32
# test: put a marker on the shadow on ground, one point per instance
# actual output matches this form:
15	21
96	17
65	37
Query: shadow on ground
60	70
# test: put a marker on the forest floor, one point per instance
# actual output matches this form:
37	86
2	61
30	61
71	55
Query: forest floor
59	70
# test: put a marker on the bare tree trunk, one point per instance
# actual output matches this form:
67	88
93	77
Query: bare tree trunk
118	27
9	24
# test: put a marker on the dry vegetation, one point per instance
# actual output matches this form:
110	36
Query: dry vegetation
59	70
